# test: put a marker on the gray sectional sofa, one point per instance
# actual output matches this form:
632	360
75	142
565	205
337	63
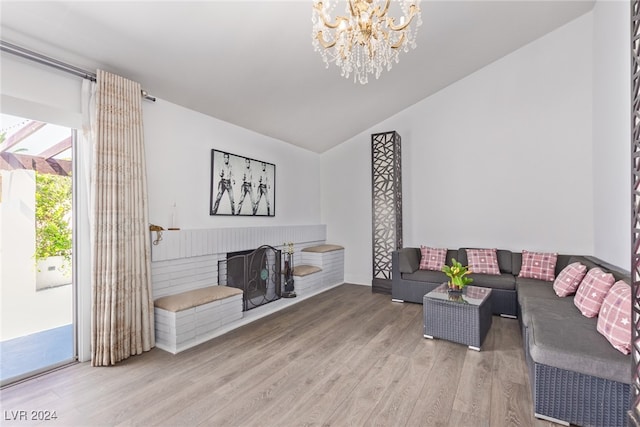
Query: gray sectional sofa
409	283
576	375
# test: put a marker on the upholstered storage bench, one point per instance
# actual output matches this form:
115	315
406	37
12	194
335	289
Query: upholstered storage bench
330	258
307	279
189	318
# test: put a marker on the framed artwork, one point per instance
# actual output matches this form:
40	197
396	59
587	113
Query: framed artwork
241	185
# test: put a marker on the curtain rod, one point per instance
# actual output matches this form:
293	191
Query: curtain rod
51	62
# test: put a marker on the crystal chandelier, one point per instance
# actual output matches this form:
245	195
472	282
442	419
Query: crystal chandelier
366	40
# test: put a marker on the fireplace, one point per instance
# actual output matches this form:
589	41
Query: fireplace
256	272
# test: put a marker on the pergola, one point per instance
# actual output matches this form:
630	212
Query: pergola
42	162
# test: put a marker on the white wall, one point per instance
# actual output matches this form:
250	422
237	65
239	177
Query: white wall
500	159
346	205
611	132
178	144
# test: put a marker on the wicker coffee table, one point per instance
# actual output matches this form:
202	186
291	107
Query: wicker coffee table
463	318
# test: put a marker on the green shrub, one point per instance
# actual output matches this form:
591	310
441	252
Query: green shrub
53	216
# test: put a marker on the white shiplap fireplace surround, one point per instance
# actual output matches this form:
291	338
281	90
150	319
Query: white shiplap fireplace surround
188	259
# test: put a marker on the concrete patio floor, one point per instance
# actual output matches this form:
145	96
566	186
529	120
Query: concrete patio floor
19	356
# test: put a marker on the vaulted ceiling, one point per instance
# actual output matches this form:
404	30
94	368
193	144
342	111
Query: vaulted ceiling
251	63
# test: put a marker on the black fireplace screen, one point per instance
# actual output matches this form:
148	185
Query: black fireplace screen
256	272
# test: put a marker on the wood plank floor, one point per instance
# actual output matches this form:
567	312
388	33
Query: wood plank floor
346	357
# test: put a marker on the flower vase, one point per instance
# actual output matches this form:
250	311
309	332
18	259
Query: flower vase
454	289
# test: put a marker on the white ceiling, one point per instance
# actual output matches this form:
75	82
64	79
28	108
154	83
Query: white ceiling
251	63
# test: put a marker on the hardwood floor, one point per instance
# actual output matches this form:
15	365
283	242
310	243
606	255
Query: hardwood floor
344	357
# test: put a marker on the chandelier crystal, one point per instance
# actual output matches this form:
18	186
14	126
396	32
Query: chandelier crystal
366	40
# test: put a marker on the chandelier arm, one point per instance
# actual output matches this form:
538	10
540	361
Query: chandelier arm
412	14
399	43
318	7
352	8
326	45
385	9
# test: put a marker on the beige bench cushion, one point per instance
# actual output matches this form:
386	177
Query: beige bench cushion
305	270
185	300
322	248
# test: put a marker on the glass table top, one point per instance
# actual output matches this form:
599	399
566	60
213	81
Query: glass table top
472	295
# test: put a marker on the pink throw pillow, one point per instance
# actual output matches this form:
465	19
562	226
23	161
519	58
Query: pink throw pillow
569	279
614	321
483	261
538	265
432	258
592	291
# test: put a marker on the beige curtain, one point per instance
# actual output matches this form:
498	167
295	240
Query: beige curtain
122	306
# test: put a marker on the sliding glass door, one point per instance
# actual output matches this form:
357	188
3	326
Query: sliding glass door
36	248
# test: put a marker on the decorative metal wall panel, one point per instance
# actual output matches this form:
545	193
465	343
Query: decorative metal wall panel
386	180
635	199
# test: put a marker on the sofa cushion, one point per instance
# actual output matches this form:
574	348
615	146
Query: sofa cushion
592	262
503	255
432	258
483	261
408	260
550	308
569	279
538	265
534	288
538	296
195	297
426	276
614	320
584	260
321	249
592	290
561	262
495	281
504	261
305	270
574	344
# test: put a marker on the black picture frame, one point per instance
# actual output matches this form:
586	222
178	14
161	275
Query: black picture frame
241	186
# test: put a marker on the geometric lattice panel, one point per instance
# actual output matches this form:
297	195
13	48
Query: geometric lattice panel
635	190
386	185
